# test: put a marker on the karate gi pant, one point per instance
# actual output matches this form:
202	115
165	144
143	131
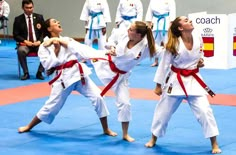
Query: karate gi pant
123	104
199	105
59	95
159	37
95	34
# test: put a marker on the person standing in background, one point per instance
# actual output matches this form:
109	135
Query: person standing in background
4	13
96	15
159	15
28	33
127	12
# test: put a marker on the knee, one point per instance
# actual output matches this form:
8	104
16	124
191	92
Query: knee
98	100
204	114
21	51
123	106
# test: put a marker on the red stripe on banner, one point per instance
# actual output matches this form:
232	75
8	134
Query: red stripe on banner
234	42
234	39
234	52
208	53
208	39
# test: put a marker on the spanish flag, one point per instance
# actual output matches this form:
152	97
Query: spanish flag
208	44
234	46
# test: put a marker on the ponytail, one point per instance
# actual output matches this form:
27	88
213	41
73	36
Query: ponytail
173	35
151	42
144	30
172	43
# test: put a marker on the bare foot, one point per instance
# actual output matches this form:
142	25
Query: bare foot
154	64
214	146
216	150
128	138
110	133
150	144
23	129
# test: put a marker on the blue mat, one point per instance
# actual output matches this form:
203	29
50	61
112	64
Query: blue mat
77	130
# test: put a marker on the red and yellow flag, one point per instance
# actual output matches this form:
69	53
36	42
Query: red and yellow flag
208	44
234	46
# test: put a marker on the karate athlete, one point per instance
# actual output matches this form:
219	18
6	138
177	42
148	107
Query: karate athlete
184	51
159	15
114	72
127	12
60	54
96	15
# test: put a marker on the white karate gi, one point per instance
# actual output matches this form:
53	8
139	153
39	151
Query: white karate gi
125	60
116	35
161	13
96	13
4	12
70	77
173	94
127	12
4	9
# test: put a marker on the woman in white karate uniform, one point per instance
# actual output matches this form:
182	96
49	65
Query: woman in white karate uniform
159	15
132	48
182	57
127	12
4	13
96	15
60	54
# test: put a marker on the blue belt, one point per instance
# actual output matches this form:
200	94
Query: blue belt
159	17
129	17
93	15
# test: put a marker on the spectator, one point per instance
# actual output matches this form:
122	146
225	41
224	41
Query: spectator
159	15
96	15
127	12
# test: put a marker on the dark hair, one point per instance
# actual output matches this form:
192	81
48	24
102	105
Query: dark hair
143	29
173	34
26	2
46	33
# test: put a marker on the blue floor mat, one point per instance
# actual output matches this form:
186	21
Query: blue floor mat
77	130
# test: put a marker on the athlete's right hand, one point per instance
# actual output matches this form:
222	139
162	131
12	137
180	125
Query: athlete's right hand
158	89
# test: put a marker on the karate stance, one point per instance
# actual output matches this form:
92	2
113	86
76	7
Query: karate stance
60	54
114	71
182	56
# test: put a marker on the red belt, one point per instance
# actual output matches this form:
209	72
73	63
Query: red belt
68	64
114	69
186	73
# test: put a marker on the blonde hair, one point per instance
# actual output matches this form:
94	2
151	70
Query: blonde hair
143	29
173	34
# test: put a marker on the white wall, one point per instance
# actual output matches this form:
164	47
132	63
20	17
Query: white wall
68	11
